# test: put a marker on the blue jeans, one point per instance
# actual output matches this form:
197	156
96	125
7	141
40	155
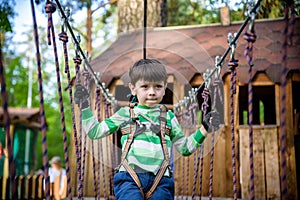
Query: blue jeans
126	189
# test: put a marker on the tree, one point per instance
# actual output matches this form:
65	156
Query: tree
106	9
131	14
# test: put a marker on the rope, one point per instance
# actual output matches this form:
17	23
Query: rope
6	121
100	99
250	37
145	29
100	153
204	106
106	114
86	76
42	110
77	61
222	58
67	71
50	8
64	38
286	36
196	164
232	66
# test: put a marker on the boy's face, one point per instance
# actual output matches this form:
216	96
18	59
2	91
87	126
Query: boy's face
148	93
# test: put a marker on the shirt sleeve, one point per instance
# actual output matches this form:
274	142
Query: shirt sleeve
96	129
185	145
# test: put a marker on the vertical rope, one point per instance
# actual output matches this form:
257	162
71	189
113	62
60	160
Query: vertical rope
196	164
42	110
64	38
100	154
67	71
6	121
232	65
145	30
106	115
86	76
283	106
77	61
50	8
250	37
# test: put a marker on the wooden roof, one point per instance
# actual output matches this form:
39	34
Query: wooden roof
187	50
29	117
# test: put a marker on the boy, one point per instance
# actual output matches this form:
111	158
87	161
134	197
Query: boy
148	133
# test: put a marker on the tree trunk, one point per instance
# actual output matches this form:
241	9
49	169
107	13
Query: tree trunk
89	24
131	14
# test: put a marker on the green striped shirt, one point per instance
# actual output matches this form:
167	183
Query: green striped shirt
146	150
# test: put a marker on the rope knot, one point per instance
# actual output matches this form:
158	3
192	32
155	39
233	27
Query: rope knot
63	37
50	7
85	73
233	64
77	60
205	96
250	36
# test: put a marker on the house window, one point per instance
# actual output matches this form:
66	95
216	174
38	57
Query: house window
263	105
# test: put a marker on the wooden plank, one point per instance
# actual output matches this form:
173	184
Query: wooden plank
22	187
259	164
272	163
290	144
219	175
245	162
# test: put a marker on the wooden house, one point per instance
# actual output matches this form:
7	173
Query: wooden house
188	51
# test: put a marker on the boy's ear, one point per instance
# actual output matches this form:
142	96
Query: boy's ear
132	88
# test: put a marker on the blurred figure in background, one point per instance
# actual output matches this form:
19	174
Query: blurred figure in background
58	179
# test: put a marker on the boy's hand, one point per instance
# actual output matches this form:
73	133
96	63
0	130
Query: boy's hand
81	95
211	121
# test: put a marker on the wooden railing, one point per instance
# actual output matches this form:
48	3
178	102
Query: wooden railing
27	187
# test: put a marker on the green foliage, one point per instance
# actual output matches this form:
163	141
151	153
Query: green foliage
182	12
6	15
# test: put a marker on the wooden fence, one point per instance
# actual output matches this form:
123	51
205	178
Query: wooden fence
27	187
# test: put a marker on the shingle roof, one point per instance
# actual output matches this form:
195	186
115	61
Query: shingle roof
187	50
30	117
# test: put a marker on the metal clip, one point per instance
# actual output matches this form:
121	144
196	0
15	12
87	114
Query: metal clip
232	44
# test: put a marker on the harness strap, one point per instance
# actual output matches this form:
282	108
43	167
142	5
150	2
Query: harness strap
166	162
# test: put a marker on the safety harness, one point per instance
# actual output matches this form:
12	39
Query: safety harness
135	129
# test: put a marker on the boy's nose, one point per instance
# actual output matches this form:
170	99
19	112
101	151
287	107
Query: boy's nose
151	91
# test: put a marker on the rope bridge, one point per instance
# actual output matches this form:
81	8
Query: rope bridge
105	102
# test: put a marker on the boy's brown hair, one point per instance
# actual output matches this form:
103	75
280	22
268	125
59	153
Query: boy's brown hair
148	70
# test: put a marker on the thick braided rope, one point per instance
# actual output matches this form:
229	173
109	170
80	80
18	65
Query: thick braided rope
100	146
232	66
42	109
200	159
217	92
179	117
283	106
100	153
204	106
106	115
67	71
62	114
86	75
64	38
250	37
114	155
77	61
195	122
6	121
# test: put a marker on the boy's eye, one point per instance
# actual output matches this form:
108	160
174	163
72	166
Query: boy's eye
144	86
159	86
